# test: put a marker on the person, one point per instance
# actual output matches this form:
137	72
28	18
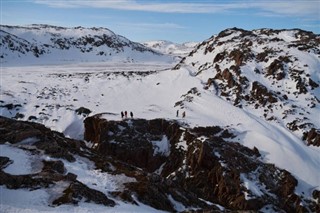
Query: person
122	114
177	113
131	114
125	114
184	114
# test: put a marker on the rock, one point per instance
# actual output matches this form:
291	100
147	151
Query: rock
312	137
52	143
4	162
261	94
210	168
116	139
313	84
83	111
200	163
71	177
23	181
53	166
78	191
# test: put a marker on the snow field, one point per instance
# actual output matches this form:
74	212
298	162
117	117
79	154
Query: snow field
151	96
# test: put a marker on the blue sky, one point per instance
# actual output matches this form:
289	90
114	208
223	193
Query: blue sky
173	20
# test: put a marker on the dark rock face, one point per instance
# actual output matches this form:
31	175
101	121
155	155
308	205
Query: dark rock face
261	94
53	143
78	191
129	142
52	173
200	164
83	111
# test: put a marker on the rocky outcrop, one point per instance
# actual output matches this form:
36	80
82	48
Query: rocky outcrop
199	163
170	163
52	143
312	137
36	139
264	70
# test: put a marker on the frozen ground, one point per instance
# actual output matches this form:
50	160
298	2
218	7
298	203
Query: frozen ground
53	93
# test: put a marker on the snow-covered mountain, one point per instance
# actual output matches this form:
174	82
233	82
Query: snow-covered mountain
171	48
45	44
249	139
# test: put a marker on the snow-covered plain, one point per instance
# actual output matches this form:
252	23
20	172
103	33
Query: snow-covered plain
53	93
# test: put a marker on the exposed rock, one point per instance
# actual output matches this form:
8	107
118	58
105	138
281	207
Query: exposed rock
198	163
78	191
54	166
83	111
4	162
313	84
278	69
209	168
312	137
51	142
261	94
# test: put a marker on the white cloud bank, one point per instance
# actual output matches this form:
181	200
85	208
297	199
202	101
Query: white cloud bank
294	8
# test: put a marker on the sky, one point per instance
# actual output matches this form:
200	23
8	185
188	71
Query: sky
173	20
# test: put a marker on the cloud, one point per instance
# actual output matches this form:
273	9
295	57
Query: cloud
294	8
157	25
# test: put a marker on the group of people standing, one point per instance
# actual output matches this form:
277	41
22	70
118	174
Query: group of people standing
183	113
125	114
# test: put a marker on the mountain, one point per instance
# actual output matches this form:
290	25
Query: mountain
45	44
272	73
171	48
66	148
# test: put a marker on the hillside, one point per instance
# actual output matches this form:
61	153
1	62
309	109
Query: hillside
272	73
45	44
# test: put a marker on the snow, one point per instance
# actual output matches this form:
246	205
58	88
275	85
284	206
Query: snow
161	147
58	45
151	96
182	143
52	93
22	161
167	47
252	186
179	207
23	200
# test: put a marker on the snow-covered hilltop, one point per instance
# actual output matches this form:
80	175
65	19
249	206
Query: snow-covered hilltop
274	74
171	48
45	44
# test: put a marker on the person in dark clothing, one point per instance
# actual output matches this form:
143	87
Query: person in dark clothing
122	114
177	113
125	114
131	114
184	114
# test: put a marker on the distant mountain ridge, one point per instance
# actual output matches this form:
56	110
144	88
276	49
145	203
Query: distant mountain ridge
171	48
273	73
42	44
